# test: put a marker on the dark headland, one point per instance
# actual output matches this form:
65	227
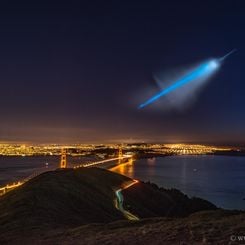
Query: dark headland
78	207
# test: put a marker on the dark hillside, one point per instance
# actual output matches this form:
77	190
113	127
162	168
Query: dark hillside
75	206
66	198
148	200
216	227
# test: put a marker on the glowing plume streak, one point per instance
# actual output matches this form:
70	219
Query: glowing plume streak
203	71
225	56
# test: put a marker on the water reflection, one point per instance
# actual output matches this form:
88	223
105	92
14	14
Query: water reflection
219	179
151	161
125	169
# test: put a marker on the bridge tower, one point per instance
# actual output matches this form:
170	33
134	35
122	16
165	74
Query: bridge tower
63	161
120	154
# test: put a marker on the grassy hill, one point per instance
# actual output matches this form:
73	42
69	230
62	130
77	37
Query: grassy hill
60	199
77	207
204	228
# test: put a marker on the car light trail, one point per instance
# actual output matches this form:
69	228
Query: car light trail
119	201
203	71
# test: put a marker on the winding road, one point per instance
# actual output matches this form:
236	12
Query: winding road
119	201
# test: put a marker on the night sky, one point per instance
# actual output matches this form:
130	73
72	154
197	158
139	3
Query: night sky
75	71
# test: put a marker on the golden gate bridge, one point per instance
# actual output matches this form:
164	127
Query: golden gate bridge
63	164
